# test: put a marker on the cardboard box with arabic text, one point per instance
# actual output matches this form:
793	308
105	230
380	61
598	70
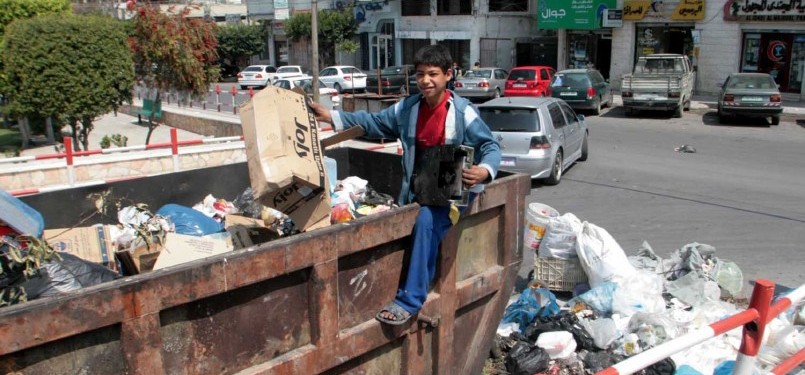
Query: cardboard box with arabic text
92	244
286	167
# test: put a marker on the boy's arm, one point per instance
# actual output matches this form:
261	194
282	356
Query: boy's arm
377	125
487	150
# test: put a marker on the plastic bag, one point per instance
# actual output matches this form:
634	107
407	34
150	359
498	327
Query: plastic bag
596	362
604	331
558	344
71	273
537	218
531	304
694	289
601	257
730	278
561	237
524	359
641	291
599	298
653	329
565	321
189	221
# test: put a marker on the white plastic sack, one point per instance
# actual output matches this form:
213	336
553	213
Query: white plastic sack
558	344
639	292
603	330
601	257
560	240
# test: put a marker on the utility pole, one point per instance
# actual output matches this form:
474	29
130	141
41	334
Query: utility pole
314	40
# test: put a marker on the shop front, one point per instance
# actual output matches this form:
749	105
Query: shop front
586	43
664	26
772	39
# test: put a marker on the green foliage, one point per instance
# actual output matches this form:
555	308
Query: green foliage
238	42
172	51
16	262
349	46
335	28
11	10
118	140
71	68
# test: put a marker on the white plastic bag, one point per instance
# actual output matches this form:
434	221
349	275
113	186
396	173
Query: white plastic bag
560	239
558	344
601	256
640	292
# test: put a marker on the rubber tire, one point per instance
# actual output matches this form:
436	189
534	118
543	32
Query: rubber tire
585	152
678	111
775	120
243	87
628	112
497	94
337	87
686	106
597	107
556	170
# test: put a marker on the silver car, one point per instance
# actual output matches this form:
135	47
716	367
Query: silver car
750	95
540	137
485	83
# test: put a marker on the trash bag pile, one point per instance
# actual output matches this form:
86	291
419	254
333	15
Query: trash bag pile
628	305
68	259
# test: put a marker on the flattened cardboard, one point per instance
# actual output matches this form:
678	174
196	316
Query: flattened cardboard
139	259
247	231
182	248
92	244
286	165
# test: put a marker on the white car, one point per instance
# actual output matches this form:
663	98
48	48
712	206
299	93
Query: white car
256	75
344	78
288	71
328	97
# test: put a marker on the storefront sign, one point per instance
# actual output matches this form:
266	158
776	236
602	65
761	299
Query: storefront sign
572	14
765	10
689	10
281	10
635	10
613	18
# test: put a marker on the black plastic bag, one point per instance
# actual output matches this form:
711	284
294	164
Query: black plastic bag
71	273
525	359
565	321
664	367
598	361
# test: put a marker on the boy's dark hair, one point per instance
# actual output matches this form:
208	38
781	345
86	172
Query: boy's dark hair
435	55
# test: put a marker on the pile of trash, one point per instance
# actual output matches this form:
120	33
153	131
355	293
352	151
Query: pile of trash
628	305
35	262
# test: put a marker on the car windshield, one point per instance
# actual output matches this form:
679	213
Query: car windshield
511	119
351	70
526	74
751	82
393	70
481	73
575	80
253	69
288	69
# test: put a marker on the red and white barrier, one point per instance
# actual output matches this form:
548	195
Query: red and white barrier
753	319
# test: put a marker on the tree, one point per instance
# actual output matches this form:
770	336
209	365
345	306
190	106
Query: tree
173	52
239	42
335	27
11	10
71	68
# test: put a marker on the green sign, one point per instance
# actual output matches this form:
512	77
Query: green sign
572	14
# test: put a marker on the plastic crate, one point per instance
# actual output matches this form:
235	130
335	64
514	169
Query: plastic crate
559	274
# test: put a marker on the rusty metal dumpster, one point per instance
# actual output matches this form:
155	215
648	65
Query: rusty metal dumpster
299	305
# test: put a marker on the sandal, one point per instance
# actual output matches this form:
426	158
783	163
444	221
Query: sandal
400	314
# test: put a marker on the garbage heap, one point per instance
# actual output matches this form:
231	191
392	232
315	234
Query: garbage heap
35	262
619	306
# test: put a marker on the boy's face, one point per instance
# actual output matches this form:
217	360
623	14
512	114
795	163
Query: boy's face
431	80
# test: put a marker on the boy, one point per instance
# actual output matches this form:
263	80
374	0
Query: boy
434	117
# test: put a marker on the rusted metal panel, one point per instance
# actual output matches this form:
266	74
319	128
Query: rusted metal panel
476	237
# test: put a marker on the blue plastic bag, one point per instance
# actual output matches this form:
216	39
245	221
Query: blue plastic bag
189	221
21	217
598	298
532	304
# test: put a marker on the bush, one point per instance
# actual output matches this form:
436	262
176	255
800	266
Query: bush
117	140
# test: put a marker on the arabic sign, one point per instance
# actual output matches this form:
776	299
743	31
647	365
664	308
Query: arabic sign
764	10
572	14
612	18
689	10
635	10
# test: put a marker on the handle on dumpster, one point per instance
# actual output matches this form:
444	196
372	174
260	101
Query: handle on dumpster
428	320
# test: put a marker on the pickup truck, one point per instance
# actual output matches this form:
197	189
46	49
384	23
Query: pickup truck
659	82
392	80
303	304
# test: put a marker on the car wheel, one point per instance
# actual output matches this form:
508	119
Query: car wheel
687	105
242	87
556	171
775	120
628	112
337	87
584	150
497	93
597	107
678	111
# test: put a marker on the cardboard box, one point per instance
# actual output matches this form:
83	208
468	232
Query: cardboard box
247	231
92	244
182	248
140	258
286	167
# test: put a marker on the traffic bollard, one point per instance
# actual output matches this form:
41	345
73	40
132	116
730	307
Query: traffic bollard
234	92
218	97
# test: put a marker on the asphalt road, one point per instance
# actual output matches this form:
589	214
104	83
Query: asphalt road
742	191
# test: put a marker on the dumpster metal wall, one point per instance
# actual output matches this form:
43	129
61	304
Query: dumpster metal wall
299	305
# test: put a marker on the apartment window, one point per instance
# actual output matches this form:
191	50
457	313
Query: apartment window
508	5
454	7
416	8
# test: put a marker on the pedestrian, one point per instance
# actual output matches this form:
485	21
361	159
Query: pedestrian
455	73
477	65
440	117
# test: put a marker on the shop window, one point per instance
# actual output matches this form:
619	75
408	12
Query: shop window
416	8
453	7
410	46
508	5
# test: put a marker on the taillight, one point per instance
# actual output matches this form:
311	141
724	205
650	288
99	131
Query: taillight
626	94
776	98
483	84
729	97
539	142
386	82
459	84
673	94
240	76
347	78
258	76
590	93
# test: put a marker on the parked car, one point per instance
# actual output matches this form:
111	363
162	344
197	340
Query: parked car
750	94
343	77
328	97
582	89
540	137
392	80
288	71
256	75
484	83
529	81
661	81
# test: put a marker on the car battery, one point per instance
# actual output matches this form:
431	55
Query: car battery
437	175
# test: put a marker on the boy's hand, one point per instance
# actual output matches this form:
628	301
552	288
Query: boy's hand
322	113
474	175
